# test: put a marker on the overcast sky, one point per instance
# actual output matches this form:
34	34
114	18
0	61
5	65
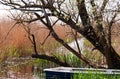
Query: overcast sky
4	12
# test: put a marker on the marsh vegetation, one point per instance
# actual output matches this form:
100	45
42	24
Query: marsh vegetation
16	51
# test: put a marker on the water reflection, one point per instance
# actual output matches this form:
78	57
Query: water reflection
21	71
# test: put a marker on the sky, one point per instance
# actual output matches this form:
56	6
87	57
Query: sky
4	13
4	10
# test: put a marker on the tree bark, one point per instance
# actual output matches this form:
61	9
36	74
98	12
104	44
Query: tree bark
112	59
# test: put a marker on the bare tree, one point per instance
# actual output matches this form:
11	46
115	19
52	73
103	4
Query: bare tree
86	17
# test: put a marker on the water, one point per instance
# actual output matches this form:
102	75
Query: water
20	70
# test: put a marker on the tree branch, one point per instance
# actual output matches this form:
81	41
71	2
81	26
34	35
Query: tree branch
94	10
103	6
37	18
52	59
83	13
45	39
56	37
34	44
24	2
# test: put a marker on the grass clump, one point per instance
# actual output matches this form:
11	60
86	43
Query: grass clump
90	75
70	59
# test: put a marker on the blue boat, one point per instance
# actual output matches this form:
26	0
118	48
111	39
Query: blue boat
68	72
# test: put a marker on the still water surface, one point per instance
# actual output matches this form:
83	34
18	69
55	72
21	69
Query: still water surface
11	70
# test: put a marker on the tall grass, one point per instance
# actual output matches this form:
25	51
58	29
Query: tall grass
90	75
70	59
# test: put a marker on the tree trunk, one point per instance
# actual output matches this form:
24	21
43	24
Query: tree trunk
99	41
112	59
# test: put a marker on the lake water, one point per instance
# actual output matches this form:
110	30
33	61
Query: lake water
21	70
